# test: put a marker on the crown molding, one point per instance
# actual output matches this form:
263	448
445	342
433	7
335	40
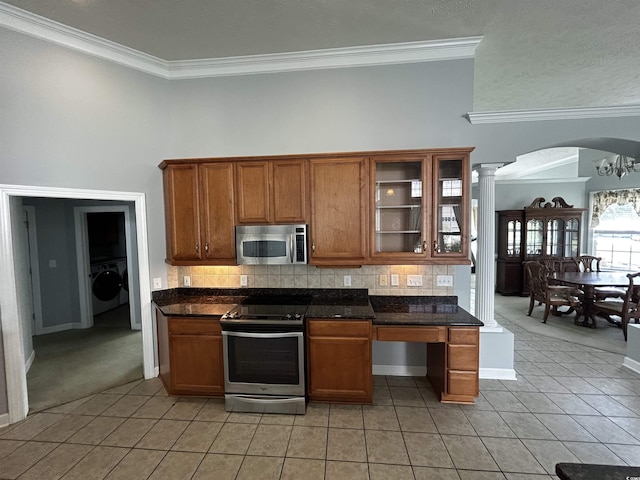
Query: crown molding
574	113
36	26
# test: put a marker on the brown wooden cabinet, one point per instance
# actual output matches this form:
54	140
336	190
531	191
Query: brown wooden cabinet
190	355
339	219
339	360
419	207
199	213
542	229
271	192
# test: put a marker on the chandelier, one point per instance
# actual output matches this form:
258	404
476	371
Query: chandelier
620	166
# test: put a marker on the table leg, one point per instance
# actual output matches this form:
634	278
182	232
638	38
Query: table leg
587	301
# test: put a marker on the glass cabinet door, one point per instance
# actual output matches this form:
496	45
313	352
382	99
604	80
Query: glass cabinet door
555	237
399	206
534	237
451	211
514	231
572	238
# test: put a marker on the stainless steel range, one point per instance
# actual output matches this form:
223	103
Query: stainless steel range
264	358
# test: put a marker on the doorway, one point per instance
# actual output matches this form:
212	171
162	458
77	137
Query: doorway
12	320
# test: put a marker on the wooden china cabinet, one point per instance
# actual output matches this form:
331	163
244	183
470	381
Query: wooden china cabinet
542	229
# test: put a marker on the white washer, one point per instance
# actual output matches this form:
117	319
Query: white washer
124	280
106	285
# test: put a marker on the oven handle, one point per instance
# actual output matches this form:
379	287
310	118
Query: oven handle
261	335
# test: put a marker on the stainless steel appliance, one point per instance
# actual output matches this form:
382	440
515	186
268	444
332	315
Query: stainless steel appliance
271	244
264	355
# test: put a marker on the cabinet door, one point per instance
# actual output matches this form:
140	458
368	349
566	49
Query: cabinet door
196	364
289	191
398	209
339	361
338	211
451	209
182	217
218	234
253	192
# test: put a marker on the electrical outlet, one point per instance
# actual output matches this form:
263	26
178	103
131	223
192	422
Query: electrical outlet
186	280
157	283
347	280
444	281
395	280
243	280
52	264
414	280
384	280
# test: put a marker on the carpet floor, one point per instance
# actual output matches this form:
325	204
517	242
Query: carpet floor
76	363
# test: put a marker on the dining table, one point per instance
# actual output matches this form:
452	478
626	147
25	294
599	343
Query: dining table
588	282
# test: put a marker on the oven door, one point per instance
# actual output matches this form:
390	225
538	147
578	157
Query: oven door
264	363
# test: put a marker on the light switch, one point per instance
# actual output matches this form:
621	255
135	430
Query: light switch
414	280
52	264
395	280
444	281
187	281
347	280
384	280
243	280
157	283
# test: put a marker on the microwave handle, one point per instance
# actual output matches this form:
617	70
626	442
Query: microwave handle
292	245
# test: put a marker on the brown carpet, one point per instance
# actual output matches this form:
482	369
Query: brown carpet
76	363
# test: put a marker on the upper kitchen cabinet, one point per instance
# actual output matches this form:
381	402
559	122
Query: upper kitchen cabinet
199	213
419	207
339	196
271	192
451	180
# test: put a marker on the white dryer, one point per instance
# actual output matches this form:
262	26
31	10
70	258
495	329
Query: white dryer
106	284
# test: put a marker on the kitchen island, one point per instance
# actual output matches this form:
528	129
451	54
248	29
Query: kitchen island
340	327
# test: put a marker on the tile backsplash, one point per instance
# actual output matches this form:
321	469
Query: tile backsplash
306	276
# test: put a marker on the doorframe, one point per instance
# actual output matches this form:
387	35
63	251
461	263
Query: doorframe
35	268
83	260
10	321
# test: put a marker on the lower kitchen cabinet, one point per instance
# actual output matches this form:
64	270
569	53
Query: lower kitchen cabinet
339	360
190	355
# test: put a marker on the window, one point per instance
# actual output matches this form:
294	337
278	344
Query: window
616	230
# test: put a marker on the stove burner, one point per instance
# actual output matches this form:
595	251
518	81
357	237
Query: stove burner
269	310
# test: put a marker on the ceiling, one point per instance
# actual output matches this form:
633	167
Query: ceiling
535	54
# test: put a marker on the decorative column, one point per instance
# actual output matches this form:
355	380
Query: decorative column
485	266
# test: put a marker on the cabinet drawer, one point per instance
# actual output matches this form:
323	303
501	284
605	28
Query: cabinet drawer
464	336
462	383
339	328
194	326
462	357
412	334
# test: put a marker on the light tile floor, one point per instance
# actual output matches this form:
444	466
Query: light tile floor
571	403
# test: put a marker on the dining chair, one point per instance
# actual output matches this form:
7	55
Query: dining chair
627	309
552	296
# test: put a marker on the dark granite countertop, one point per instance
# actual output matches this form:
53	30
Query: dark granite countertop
325	303
586	471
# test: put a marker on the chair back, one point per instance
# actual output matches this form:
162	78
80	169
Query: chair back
552	263
538	282
631	305
587	263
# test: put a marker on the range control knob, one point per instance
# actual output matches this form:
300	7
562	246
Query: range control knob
297	315
288	316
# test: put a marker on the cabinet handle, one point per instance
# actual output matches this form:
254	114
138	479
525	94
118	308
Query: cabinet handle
206	247
424	245
435	246
197	248
313	247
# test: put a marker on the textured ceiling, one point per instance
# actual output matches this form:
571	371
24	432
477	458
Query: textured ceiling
535	53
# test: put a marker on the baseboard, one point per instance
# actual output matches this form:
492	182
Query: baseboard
56	328
156	372
29	361
498	373
631	364
400	370
4	420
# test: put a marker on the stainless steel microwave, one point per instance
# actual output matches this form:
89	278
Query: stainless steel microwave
271	244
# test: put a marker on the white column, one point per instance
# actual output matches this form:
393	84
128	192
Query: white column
485	266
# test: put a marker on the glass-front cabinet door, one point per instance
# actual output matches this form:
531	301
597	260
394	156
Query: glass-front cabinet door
555	237
398	215
535	233
450	197
514	240
572	238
